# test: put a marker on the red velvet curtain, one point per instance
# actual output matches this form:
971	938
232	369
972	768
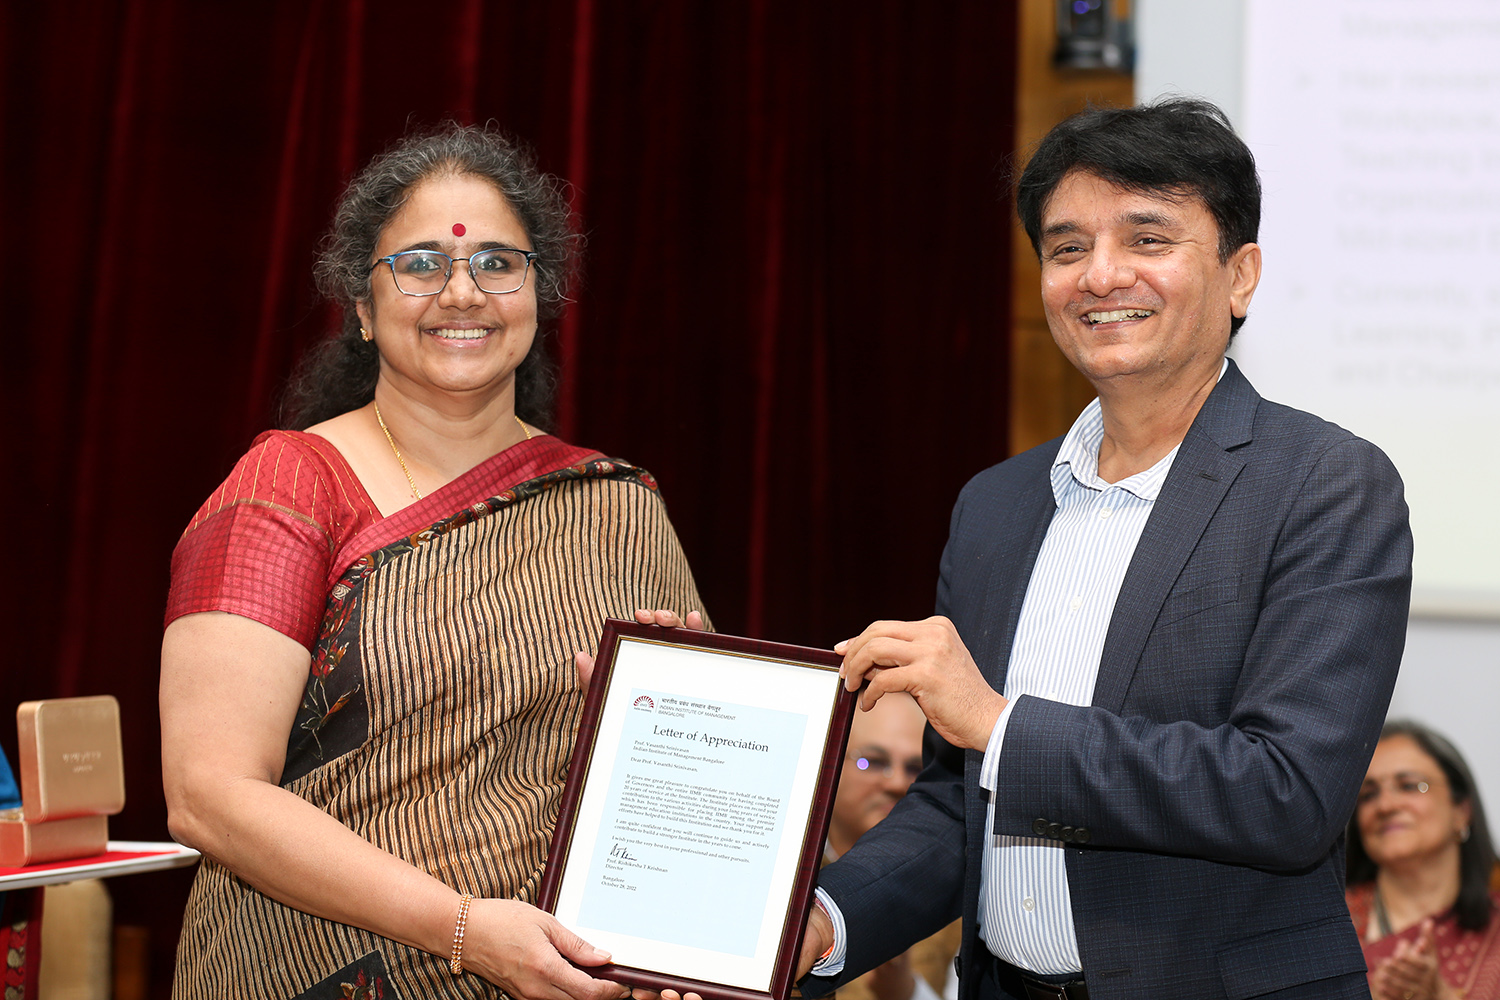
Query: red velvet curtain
794	308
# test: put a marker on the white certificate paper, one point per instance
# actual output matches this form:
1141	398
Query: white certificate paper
683	859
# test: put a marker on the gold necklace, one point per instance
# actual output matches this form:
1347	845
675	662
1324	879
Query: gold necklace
392	442
397	451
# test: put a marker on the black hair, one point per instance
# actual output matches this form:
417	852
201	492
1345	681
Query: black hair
1177	147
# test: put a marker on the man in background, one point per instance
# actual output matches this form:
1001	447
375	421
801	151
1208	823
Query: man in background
884	757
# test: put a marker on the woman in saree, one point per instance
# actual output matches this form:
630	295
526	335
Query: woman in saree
368	689
1421	866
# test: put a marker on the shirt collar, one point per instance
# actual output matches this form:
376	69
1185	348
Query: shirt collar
1078	459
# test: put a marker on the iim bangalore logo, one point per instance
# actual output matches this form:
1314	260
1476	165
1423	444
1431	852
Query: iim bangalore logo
644	701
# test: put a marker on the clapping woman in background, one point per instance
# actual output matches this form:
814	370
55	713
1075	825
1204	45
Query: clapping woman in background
1421	865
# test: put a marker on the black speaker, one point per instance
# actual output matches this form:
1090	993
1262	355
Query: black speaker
1094	34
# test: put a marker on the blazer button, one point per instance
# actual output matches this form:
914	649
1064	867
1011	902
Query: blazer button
1066	833
1039	827
1081	835
1054	830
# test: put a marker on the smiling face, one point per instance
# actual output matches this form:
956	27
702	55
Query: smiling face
1132	283
462	340
1399	822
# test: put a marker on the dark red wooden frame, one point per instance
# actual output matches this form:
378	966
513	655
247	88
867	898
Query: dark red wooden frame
815	833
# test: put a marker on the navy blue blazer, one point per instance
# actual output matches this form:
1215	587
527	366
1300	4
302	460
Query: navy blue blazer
1243	682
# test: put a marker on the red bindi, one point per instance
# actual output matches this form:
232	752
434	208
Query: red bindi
458	229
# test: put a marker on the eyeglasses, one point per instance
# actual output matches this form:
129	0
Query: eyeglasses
426	272
1402	784
881	766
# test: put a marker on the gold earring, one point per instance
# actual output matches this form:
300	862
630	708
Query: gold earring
365	335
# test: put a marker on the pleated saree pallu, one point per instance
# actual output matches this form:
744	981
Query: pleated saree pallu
441	704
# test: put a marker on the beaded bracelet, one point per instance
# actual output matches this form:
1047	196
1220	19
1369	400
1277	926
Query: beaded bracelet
456	963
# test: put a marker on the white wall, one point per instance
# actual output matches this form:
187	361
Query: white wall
1191	47
1450	675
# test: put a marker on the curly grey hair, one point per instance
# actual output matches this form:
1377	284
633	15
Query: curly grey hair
339	375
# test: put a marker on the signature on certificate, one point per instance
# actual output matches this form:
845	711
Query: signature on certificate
621	852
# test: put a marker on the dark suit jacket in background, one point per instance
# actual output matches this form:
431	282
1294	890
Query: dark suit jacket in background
1243	682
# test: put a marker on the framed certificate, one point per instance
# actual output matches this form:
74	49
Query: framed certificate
696	807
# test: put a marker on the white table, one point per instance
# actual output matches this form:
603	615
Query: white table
165	855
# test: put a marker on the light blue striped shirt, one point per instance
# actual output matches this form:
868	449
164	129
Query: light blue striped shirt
1025	914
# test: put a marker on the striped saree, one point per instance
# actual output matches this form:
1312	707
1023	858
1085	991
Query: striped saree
441	707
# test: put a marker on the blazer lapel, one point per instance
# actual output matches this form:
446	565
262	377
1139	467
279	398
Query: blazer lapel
1011	562
1200	477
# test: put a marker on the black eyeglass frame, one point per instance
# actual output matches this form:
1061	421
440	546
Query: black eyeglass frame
911	768
390	261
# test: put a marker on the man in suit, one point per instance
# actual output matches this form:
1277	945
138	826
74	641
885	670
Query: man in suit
1166	642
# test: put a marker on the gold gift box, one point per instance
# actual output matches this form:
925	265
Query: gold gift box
72	780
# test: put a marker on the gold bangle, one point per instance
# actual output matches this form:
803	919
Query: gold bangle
456	963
